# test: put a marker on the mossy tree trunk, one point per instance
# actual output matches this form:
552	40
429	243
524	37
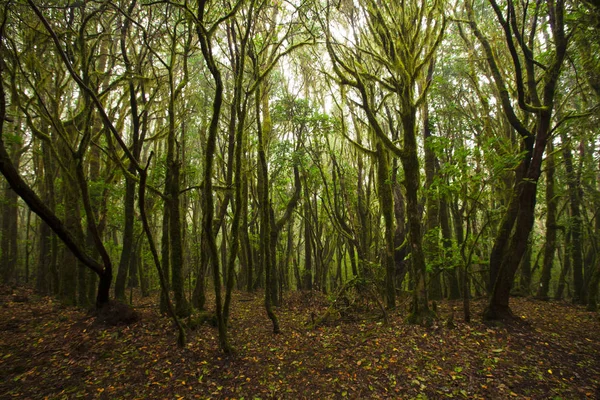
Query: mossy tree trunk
594	281
420	311
538	106
10	216
264	204
46	279
307	275
130	184
239	110
551	227
431	242
404	61
575	251
206	38
386	203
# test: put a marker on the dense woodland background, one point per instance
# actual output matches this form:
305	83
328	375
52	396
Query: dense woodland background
412	150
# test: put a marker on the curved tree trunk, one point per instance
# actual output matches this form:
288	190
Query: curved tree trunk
513	236
207	193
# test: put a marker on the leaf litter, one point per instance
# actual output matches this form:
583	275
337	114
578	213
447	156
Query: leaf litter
56	352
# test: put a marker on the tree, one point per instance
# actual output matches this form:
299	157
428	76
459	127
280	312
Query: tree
22	188
337	147
389	55
130	183
536	84
551	226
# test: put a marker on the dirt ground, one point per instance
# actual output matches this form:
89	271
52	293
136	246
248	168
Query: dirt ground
56	352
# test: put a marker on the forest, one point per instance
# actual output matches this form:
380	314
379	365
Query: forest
299	199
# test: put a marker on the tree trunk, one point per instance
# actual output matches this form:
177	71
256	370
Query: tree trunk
386	203
566	268
46	277
165	248
47	215
594	281
498	307
207	193
522	206
182	307
551	209
511	243
431	242
127	241
68	263
135	265
400	247
450	273
199	295
239	110
525	281
592	304
181	340
307	282
420	311
264	128
245	238
8	247
575	251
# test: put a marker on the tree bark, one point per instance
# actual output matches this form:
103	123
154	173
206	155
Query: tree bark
431	242
207	193
10	217
386	203
566	268
594	281
551	209
265	205
420	311
525	267
575	251
511	243
307	273
450	273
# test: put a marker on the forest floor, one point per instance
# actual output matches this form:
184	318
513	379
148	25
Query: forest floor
55	352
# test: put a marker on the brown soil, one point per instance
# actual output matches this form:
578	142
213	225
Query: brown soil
55	352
